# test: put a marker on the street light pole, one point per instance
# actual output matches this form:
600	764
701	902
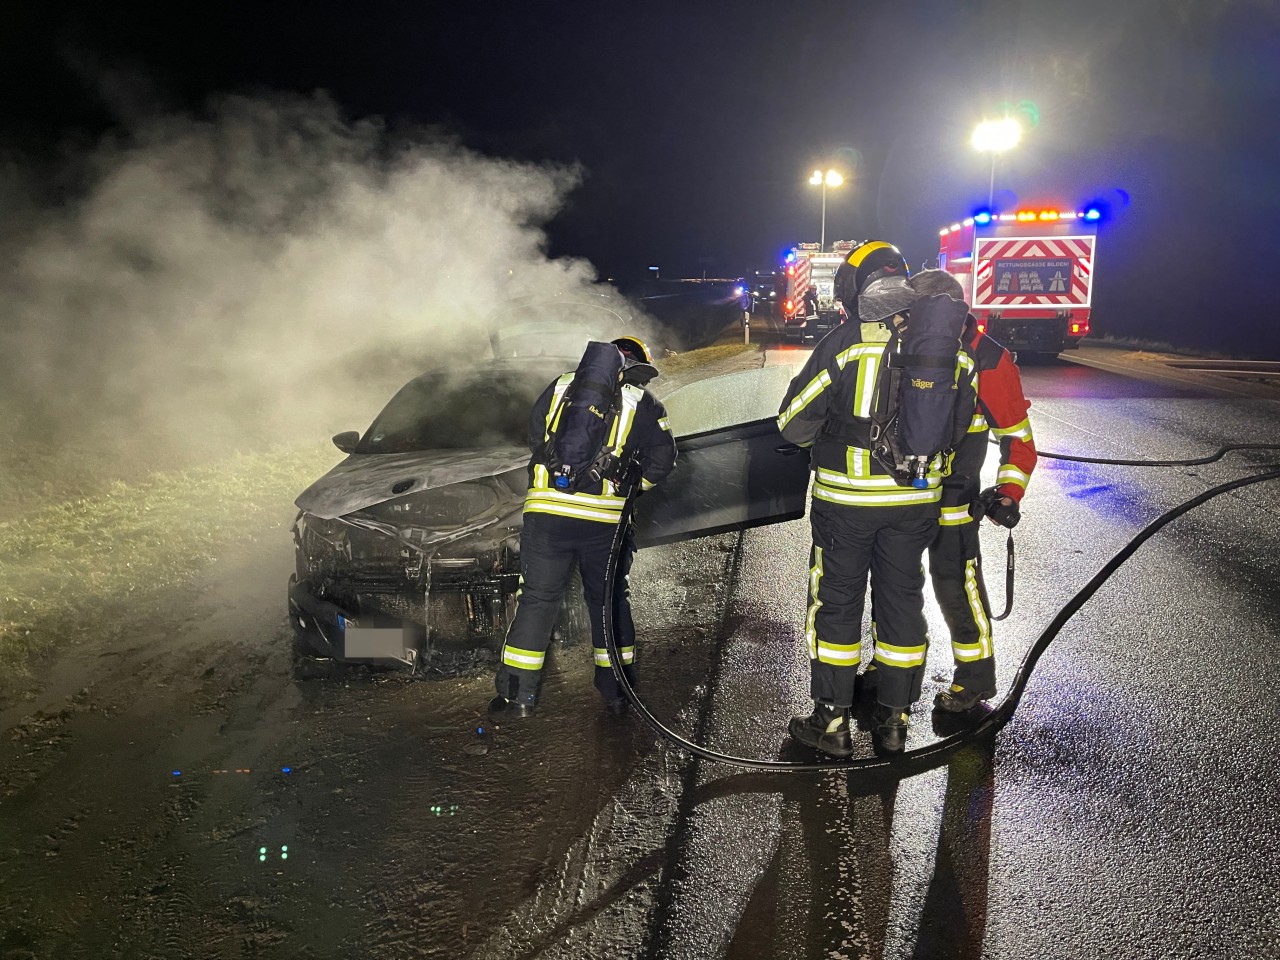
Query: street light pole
995	136
829	179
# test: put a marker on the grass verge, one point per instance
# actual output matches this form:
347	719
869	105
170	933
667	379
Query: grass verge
63	567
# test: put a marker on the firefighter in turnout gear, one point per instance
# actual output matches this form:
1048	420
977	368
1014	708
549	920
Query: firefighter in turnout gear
955	563
864	519
566	522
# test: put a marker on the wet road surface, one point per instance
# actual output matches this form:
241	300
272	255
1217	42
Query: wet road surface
150	786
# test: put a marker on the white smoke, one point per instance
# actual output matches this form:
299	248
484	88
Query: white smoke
243	273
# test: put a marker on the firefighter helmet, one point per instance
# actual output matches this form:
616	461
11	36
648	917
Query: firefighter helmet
637	361
868	261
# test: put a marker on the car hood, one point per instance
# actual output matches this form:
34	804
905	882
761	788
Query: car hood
366	479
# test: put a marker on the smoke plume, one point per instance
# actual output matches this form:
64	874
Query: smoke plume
258	272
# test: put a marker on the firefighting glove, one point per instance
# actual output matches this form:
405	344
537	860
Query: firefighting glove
990	503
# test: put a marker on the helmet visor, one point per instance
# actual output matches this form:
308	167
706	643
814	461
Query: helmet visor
883	298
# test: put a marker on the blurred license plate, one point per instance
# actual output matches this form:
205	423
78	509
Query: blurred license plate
374	643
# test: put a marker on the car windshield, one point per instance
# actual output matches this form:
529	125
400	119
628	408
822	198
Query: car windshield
443	411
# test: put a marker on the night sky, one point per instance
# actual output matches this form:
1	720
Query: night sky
696	125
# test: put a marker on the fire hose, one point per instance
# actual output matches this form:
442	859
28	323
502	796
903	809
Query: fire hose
1009	558
934	754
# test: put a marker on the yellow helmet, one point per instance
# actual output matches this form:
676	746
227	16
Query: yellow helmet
637	361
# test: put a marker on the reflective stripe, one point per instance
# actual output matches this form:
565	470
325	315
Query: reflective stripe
876	498
955	516
864	392
839	654
1019	431
815	578
664	423
1008	473
602	655
523	659
900	656
858	351
604	501
978	613
804	398
571	510
860	252
831	478
646	485
978	423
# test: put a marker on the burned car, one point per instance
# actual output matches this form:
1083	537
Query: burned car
419	527
411	545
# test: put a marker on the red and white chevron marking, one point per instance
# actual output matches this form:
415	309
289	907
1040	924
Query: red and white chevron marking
803	270
1078	249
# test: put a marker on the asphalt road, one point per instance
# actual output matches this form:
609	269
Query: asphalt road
1128	809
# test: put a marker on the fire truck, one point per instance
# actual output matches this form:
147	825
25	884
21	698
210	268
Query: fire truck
1028	275
808	266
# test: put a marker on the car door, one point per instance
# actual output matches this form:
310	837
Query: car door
734	470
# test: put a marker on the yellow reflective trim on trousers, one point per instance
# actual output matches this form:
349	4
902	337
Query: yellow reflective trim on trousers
1020	431
976	611
523	659
1008	473
900	656
804	398
815	579
839	654
876	498
955	516
601	655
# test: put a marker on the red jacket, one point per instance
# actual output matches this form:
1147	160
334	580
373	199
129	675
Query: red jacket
1004	407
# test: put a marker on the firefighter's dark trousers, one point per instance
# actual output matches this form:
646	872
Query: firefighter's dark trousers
549	545
848	543
955	566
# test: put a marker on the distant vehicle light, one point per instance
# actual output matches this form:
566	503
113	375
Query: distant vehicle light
788	304
791	271
982	218
738	291
1093	213
1075	328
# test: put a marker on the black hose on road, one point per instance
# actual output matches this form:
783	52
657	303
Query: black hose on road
933	755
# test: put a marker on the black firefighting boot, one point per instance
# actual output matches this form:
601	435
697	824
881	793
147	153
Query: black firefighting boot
958	699
500	708
889	728
826	729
